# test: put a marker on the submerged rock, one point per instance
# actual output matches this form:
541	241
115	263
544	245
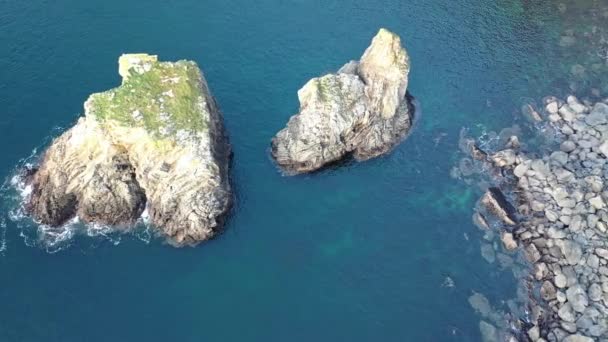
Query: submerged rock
156	142
362	110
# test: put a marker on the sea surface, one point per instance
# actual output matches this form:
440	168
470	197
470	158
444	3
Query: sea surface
357	252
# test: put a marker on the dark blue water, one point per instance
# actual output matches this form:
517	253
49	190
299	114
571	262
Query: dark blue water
354	253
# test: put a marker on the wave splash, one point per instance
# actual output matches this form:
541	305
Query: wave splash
14	194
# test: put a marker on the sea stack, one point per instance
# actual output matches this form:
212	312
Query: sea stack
363	110
156	143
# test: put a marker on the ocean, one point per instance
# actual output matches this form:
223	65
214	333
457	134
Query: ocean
356	252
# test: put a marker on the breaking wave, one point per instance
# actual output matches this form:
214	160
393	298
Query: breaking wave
15	192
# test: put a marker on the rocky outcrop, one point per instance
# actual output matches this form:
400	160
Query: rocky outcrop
362	110
155	143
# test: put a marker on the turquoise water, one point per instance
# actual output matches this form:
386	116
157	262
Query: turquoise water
355	253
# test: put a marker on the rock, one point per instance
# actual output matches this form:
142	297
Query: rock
593	261
540	271
567	113
577	297
480	304
551	215
560	280
604	148
364	113
560	157
504	158
476	152
568	326
566	203
488	332
537	206
534	333
520	170
595	292
487	252
568	146
597	202
575	105
561	297
598	115
566	313
572	251
595	183
532	253
480	221
602	253
547	291
129	153
577	338
552	108
496	203
508	242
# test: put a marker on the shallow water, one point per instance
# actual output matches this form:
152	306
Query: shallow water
357	252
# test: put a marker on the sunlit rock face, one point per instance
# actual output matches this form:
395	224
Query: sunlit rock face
362	110
156	142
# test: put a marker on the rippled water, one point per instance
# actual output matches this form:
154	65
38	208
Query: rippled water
359	252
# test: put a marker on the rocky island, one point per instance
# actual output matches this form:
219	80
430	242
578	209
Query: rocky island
155	145
559	219
363	110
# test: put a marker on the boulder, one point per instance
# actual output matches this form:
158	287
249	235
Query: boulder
496	203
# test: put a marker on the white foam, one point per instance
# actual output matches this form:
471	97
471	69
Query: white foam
145	216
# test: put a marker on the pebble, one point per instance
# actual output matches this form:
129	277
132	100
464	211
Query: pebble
593	261
567	146
597	202
602	252
577	338
572	251
595	292
604	148
547	291
566	313
560	157
577	297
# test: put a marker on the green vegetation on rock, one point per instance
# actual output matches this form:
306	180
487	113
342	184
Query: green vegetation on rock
165	98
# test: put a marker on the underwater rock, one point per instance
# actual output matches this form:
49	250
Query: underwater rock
362	110
156	142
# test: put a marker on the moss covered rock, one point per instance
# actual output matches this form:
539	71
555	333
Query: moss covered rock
154	143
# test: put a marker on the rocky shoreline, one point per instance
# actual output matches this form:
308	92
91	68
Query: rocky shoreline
559	217
363	111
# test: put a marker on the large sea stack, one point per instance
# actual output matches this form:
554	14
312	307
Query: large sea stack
154	143
362	110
